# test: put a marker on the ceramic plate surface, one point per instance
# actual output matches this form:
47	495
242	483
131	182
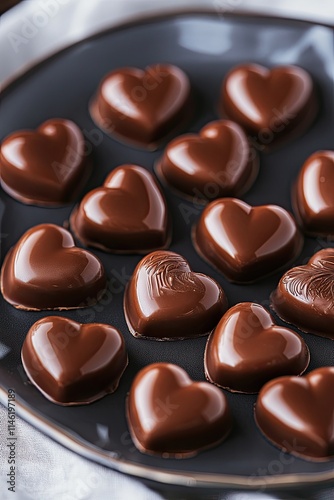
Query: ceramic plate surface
206	47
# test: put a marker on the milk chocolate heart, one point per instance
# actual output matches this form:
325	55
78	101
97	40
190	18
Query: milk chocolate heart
7	4
165	300
128	214
305	295
71	363
314	195
246	243
269	104
216	162
247	349
297	414
44	167
142	106
170	415
44	270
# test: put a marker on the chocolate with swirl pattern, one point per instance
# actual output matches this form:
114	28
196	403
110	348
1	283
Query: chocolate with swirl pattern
165	300
304	296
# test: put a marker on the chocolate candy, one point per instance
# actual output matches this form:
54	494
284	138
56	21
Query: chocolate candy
142	106
44	167
7	4
71	363
170	415
305	295
44	270
128	214
269	104
165	300
247	349
216	162
246	243
314	195
297	414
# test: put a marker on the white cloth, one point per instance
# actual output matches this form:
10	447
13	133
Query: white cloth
47	471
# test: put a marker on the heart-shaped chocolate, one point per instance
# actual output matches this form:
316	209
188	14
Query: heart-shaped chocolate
247	349
71	363
142	106
165	300
314	195
304	296
45	270
216	162
269	104
44	167
170	415
246	243
7	4
297	413
127	215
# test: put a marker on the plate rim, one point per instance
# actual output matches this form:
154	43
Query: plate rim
169	476
139	19
85	449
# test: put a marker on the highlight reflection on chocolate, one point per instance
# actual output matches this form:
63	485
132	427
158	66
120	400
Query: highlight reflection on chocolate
172	416
297	413
128	214
214	163
142	106
246	243
44	167
73	364
304	296
271	105
313	196
247	349
165	300
45	270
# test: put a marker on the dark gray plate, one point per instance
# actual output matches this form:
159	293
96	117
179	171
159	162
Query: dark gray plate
205	47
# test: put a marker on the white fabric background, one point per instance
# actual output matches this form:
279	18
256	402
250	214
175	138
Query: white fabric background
48	471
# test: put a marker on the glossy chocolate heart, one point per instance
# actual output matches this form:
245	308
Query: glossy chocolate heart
297	413
44	270
314	195
165	300
246	243
247	349
7	4
216	162
269	104
71	363
44	167
128	214
305	295
142	106
170	415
